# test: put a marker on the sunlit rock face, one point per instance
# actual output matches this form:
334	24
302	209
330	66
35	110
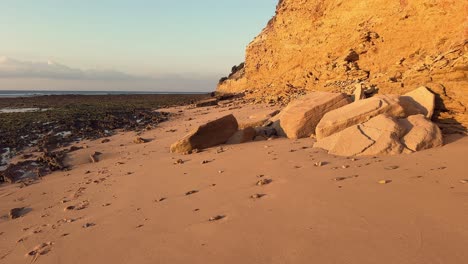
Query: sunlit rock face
392	46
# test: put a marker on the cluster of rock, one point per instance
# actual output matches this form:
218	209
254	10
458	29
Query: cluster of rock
334	45
383	124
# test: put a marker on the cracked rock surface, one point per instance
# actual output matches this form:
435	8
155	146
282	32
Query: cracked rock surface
384	134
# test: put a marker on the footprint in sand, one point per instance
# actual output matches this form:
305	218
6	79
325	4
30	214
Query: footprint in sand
257	196
40	250
263	182
216	218
87	225
345	178
191	192
81	206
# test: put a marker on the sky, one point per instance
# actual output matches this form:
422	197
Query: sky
159	45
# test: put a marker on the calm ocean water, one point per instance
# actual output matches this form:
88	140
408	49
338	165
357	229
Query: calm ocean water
18	93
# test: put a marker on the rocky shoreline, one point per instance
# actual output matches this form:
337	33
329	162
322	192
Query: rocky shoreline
44	134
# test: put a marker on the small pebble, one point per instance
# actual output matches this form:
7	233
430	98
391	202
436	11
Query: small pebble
385	181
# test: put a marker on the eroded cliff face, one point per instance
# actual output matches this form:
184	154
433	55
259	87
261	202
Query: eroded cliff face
392	45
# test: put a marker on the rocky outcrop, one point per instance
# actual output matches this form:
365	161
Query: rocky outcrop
208	135
300	118
384	135
331	45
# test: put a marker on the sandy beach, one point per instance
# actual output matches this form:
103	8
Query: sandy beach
275	201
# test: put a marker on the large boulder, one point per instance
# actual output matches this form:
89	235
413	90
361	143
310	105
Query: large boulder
359	112
418	101
379	135
423	134
384	135
208	135
300	118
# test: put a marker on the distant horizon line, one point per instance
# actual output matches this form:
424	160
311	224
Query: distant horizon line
33	93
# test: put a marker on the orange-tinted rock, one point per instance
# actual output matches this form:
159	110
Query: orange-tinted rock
379	135
418	101
208	135
306	47
422	133
358	112
300	118
244	135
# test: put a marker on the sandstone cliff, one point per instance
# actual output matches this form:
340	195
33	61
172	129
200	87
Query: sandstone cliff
392	45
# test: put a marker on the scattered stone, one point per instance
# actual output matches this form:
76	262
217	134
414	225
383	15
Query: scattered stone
179	161
106	140
345	166
263	182
319	164
140	140
95	157
205	162
216	218
464	181
392	167
208	135
16	212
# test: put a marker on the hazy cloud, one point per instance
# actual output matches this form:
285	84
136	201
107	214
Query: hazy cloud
21	75
11	68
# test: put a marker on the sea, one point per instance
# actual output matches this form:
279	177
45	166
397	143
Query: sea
31	93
